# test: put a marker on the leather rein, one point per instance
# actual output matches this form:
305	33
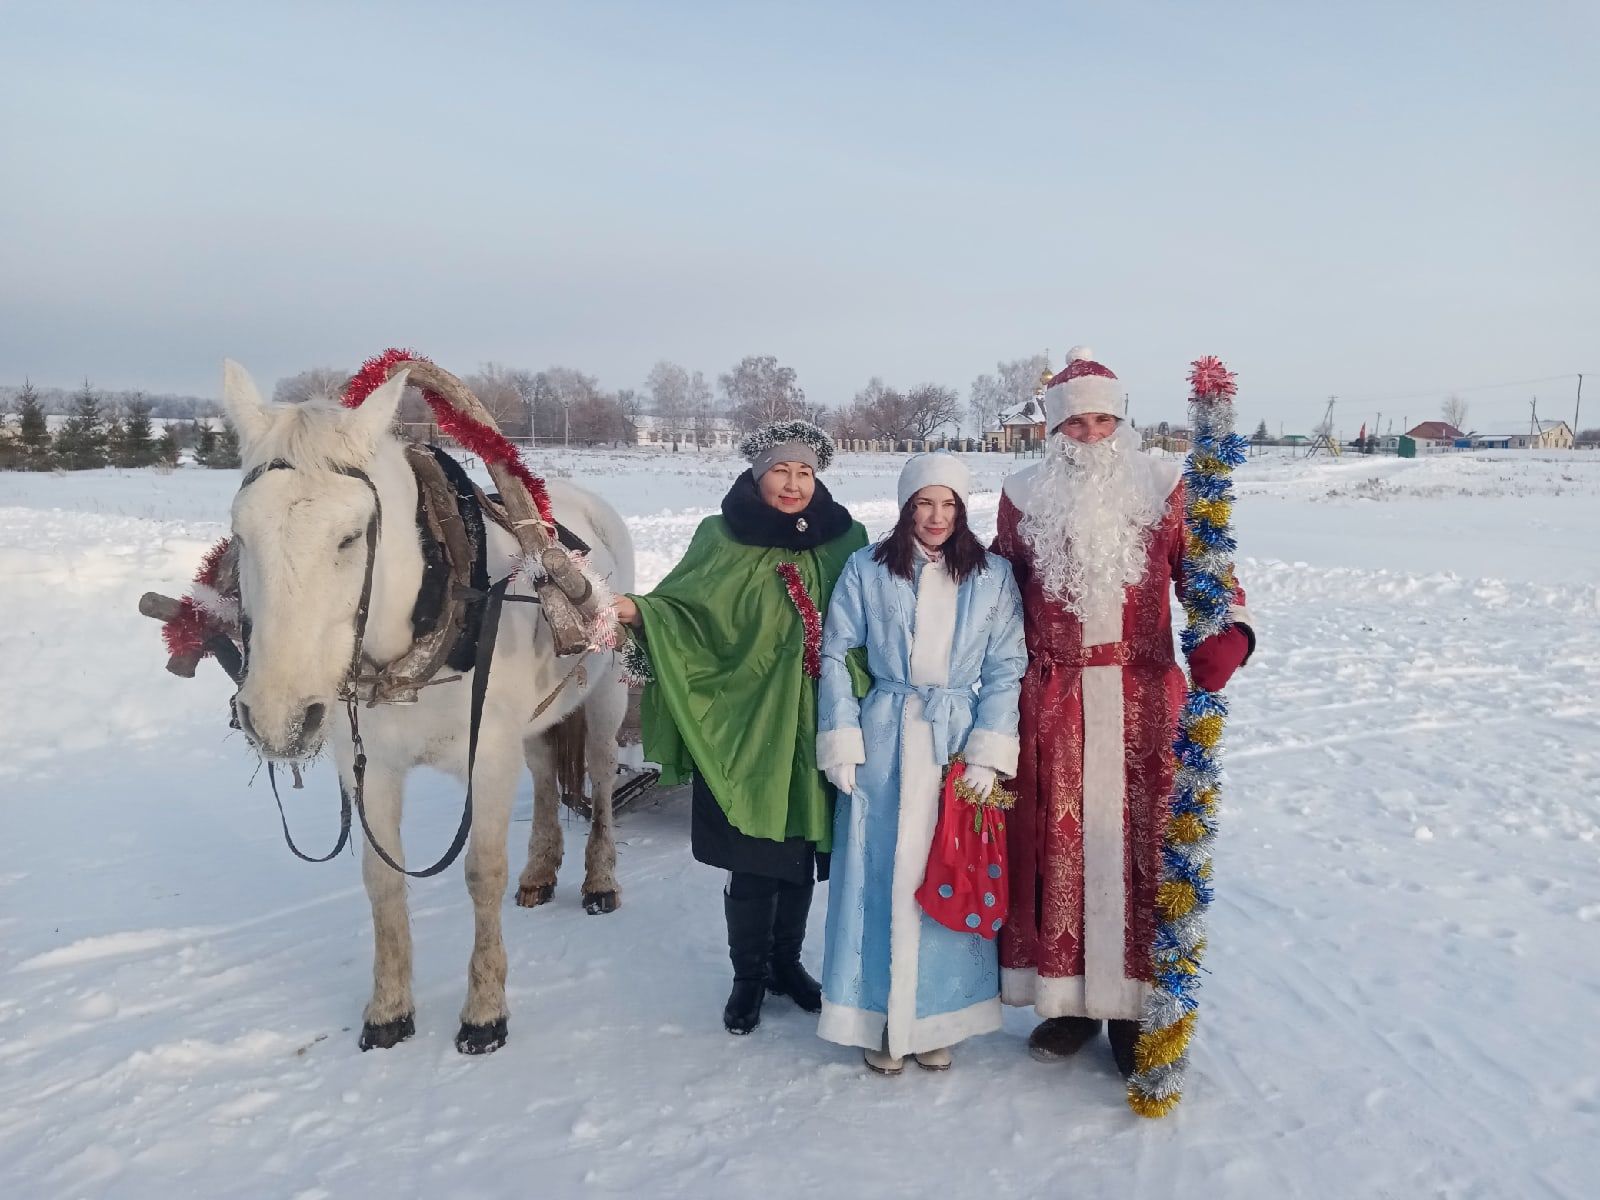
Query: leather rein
349	692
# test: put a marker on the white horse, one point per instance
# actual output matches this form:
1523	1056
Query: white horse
303	551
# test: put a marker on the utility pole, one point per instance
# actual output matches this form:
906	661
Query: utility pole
1576	408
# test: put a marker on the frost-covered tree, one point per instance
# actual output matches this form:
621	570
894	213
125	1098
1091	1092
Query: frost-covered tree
931	408
138	442
81	443
224	448
703	412
759	391
167	448
669	399
1012	383
33	431
315	383
205	444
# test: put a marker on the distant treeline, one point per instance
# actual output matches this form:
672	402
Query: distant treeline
98	433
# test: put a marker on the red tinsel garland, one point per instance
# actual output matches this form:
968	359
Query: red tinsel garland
1210	380
801	599
488	444
187	632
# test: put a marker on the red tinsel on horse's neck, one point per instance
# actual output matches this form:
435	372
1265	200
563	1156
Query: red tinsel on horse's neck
488	444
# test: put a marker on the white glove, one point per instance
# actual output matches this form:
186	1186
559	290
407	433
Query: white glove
842	777
979	779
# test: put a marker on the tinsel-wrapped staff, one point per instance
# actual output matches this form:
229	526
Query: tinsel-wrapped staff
1210	592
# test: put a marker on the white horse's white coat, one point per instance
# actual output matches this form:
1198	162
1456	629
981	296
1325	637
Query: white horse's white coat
303	556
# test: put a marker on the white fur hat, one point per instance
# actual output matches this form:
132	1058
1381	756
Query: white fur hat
1082	386
937	467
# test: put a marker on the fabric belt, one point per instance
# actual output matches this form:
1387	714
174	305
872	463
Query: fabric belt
938	706
1106	654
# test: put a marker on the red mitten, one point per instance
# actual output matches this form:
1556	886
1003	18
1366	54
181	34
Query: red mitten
1214	660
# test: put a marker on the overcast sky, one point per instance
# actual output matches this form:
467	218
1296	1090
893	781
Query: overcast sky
1379	201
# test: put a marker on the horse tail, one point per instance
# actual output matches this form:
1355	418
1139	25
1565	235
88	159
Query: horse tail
571	762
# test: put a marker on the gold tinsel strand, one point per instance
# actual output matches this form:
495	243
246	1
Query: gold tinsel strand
1158	1047
1206	731
1215	511
1151	1106
1174	898
1186	828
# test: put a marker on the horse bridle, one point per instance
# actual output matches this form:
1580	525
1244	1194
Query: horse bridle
348	692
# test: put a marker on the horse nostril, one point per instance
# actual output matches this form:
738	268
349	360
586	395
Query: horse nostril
312	721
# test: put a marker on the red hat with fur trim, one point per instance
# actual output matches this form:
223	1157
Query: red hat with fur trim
1082	386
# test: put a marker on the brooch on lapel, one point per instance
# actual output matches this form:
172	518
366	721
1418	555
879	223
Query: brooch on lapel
801	526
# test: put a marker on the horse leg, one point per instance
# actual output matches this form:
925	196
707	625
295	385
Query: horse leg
538	880
390	1017
605	707
483	1016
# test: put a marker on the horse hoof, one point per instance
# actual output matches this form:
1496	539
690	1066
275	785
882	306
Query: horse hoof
535	894
595	903
390	1033
481	1039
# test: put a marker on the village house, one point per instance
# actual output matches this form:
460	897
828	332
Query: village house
1431	437
716	433
1020	428
1553	435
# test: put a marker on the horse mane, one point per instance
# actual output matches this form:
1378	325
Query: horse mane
312	436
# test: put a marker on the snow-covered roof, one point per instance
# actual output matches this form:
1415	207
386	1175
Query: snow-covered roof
1436	431
1029	412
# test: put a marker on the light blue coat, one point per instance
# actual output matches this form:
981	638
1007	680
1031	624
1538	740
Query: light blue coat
947	664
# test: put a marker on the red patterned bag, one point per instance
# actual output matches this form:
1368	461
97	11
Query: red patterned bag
965	885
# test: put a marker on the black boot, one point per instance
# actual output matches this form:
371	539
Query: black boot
1058	1038
788	976
1123	1035
749	946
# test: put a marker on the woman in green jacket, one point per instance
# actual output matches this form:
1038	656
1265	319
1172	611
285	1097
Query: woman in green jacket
733	636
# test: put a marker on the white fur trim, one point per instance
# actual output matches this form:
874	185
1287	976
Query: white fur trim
836	747
1057	996
986	748
1240	615
920	780
938	467
934	632
1085	394
1104	843
921	777
863	1027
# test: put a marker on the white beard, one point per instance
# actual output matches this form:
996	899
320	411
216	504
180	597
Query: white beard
1089	521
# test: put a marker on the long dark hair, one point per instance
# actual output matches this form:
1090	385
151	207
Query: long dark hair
963	552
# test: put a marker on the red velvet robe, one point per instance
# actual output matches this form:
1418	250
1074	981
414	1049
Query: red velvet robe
1099	711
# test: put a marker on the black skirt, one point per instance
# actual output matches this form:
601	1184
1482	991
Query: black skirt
715	842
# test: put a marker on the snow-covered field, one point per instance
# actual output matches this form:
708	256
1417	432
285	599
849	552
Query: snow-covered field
1405	956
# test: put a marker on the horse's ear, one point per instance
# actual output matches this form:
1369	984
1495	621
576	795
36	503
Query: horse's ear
373	416
239	396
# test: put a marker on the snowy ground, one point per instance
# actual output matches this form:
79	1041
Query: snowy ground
1406	948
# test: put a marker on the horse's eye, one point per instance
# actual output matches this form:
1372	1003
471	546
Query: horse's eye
349	541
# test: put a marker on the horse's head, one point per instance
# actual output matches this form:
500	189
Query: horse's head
304	554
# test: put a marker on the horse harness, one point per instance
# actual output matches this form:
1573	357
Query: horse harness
455	622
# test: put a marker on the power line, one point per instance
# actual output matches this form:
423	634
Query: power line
1476	387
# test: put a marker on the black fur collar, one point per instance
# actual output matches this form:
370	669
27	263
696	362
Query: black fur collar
754	522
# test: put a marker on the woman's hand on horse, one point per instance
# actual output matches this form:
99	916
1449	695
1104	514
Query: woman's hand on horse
627	610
